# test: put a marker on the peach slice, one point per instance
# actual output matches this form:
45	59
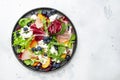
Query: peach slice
63	56
47	63
33	43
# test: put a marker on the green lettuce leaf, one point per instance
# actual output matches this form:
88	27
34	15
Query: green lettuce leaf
45	26
19	41
24	21
29	62
71	41
73	37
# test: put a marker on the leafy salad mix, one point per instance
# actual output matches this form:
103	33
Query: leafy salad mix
44	39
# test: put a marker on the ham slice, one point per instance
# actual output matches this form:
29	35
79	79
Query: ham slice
64	37
38	23
26	55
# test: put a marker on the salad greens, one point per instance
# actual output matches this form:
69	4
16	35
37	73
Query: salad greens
24	21
29	62
44	40
19	41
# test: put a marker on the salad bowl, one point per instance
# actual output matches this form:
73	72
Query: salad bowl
44	39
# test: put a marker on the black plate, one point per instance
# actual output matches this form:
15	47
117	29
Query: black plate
30	67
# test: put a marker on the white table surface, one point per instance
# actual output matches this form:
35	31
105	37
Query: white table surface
97	56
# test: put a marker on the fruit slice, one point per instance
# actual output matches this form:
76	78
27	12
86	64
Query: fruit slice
46	64
25	55
33	43
35	64
41	17
63	56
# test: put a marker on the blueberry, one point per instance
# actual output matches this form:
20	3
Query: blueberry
33	49
56	65
68	57
32	12
46	39
39	48
37	67
48	14
44	12
56	47
25	29
53	12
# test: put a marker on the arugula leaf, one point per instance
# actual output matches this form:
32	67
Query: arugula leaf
45	26
70	44
71	41
61	50
54	38
57	57
56	43
54	56
39	52
64	26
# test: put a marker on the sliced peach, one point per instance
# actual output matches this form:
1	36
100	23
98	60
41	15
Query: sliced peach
47	63
35	64
63	56
33	43
41	17
66	43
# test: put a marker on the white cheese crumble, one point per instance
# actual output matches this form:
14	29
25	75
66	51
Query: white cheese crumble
55	60
53	50
53	17
70	51
42	59
43	45
33	17
26	35
70	28
58	61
